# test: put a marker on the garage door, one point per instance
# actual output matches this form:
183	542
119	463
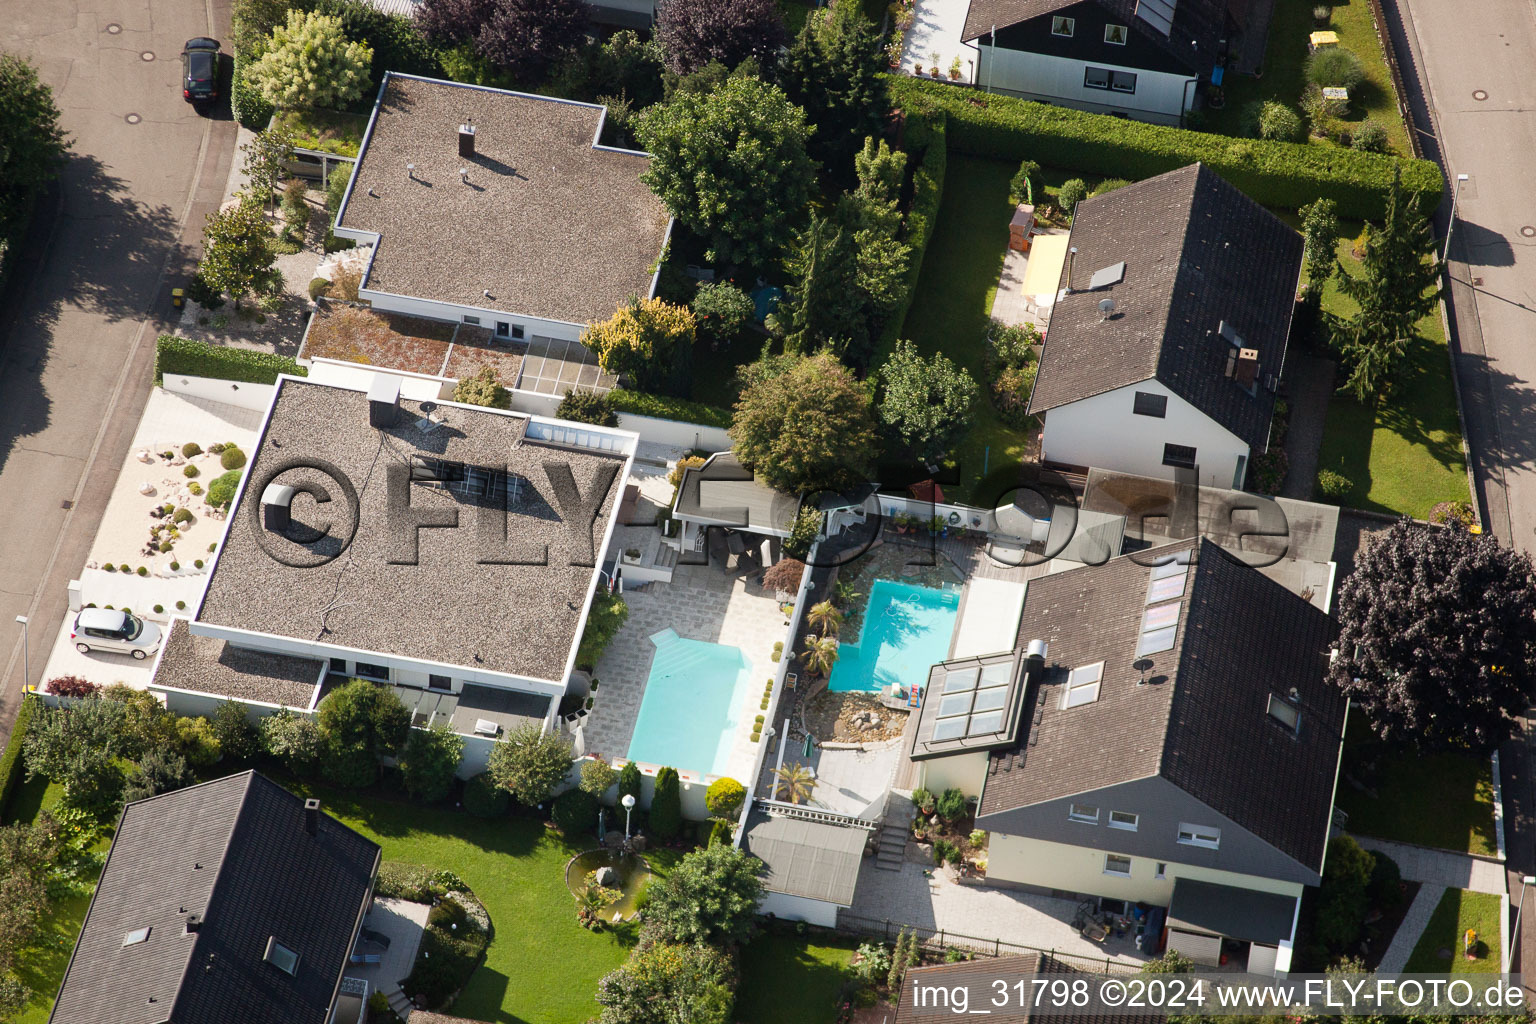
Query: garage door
1261	959
1202	949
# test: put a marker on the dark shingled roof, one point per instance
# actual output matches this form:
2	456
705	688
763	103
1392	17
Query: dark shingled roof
1242	914
813	859
1197	253
550	224
1203	721
450	606
235	851
1199	22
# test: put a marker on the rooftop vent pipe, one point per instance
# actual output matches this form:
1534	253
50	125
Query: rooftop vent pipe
466	141
277	507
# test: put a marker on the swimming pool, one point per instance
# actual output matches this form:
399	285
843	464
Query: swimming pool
906	631
695	698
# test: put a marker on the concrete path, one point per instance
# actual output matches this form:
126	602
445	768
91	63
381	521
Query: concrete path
1309	385
1441	867
1424	903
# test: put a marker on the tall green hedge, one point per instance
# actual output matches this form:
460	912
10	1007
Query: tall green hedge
249	108
1282	174
926	134
665	407
12	769
175	355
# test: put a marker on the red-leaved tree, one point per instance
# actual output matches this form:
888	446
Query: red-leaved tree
694	32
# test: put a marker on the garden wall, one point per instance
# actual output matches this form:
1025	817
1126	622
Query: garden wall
1280	174
244	396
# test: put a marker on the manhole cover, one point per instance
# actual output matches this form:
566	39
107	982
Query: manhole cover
133	119
147	55
1479	95
67	504
1528	231
114	28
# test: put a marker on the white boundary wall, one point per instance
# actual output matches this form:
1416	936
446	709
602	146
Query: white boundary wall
228	392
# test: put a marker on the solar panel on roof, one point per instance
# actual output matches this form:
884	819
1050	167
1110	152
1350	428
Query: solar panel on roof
1157	13
949	729
983	724
1113	274
954	704
1165	589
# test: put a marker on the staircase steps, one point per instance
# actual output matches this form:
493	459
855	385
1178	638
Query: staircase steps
891	847
398	1002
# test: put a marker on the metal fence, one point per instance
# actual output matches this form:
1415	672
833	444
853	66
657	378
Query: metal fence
942	939
1384	33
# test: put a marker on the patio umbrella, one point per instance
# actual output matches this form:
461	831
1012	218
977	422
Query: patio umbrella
810	744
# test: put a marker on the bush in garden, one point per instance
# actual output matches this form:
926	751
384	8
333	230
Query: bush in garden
951	805
629	781
587	407
239	737
429	761
1108	185
191	449
484	799
1333	487
231	457
361	722
1270	119
311	63
721	310
724	797
1024	186
1342	898
575	812
719	832
710	897
1371	136
667	805
1072	192
597	776
181	515
693	33
529	764
1334	66
72	686
483	389
222	491
190	471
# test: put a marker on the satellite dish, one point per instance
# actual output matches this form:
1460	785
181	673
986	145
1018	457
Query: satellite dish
1142	665
1106	307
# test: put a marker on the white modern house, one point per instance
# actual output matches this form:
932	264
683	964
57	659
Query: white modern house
448	551
1169	331
499	209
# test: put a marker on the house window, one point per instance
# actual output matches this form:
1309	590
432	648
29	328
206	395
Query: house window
1199	835
281	957
1083	813
1083	685
503	329
1148	404
1115	34
1122	81
517	332
1162	870
1114	864
339	666
439	682
1063	26
367	671
136	936
1124	819
1095	78
1284	712
1179	455
472	320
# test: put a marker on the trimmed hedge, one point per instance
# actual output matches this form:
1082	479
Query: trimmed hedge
1282	174
926	129
175	355
665	407
12	768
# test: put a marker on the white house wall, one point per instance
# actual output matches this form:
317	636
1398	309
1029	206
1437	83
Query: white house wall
1103	432
452	312
1159	96
799	908
965	772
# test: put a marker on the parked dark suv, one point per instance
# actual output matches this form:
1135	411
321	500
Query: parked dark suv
200	70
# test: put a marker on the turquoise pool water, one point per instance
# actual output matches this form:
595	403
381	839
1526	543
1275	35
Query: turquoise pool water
695	698
906	630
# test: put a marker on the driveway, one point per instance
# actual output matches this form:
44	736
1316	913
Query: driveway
76	331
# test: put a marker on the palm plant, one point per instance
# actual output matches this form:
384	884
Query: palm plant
843	593
794	782
820	654
824	617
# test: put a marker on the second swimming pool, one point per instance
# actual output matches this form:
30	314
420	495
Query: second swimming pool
906	630
694	701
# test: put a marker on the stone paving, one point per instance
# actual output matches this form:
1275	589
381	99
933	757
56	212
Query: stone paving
1444	868
701	603
909	897
1407	936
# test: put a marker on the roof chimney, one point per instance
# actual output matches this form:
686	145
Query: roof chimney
312	816
1071	255
1247	369
277	507
466	140
383	400
194	922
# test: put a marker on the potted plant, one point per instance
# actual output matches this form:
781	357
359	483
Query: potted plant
631	555
936	527
917	69
954	70
933	58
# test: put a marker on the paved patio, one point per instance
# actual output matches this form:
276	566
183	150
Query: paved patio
403	922
850	781
936	28
701	603
908	897
1444	868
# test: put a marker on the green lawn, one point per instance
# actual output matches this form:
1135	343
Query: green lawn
1442	800
1285	74
1458	911
952	305
1404	454
786	980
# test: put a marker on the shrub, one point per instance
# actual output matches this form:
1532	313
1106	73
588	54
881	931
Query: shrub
529	764
109	567
246	102
448	911
484	389
587	407
944	852
1072	192
575	812
1332	487
199	359
1024	186
1335	66
181	606
1108	185
429	761
194	488
667	805
231	457
803	529
665	407
189	471
203	293
238	736
197	563
724	797
124	568
923	800
720	833
951	804
1283	174
159	608
175	566
318	286
142	571
1010	391
222	491
1371	136
710	897
72	686
484	799
629	781
191	449
1269	119
721	310
181	515
597	776
925	134
604	620
1342	898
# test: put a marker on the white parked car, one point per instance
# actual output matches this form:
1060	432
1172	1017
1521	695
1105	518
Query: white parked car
102	629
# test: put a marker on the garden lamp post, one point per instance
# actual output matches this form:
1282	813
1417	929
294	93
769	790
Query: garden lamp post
26	651
629	805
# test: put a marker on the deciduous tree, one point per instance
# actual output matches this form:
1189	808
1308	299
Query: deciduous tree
694	32
597	776
238	255
1437	640
665	982
311	63
526	38
1320	230
731	165
360	723
709	898
428	763
28	852
450	22
804	423
529	763
293	739
927	403
32	145
646	341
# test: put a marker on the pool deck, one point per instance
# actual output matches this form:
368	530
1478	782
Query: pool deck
702	603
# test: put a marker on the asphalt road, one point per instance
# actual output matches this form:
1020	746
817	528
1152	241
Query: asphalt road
77	327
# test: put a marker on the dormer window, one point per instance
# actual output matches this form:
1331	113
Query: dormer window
1063	26
1083	685
1115	34
281	957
